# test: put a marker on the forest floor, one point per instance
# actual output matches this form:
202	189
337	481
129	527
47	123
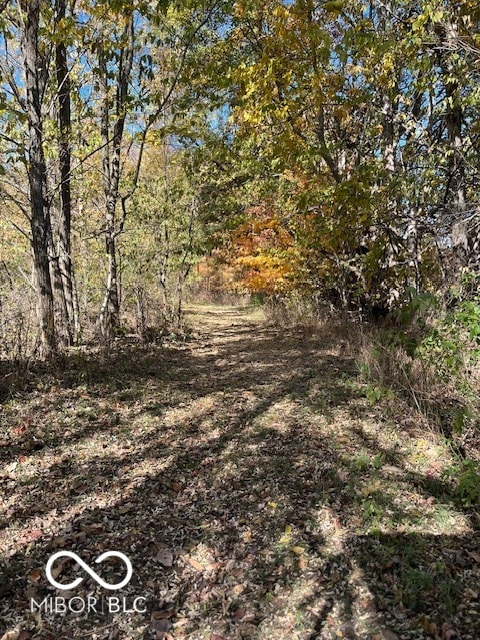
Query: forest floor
256	488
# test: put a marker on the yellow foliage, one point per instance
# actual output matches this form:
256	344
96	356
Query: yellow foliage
261	256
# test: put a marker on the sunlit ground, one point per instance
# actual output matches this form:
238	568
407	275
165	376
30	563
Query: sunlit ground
255	489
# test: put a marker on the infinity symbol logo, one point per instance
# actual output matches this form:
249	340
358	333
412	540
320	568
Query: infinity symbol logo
87	569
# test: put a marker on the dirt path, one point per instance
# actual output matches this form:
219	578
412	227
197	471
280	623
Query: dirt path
255	489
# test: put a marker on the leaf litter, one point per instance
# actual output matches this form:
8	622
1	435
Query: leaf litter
254	488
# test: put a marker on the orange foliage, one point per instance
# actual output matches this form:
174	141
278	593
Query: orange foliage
261	253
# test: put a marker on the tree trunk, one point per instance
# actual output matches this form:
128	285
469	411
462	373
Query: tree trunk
141	311
456	189
164	272
65	265
109	319
62	325
37	174
110	311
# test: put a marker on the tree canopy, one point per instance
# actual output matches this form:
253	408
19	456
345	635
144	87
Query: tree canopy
330	149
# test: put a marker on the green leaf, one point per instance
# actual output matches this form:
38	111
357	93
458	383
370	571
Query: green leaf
334	6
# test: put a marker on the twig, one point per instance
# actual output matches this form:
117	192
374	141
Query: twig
89	633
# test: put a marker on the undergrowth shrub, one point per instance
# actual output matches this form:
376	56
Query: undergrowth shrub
431	357
295	309
466	476
18	325
428	353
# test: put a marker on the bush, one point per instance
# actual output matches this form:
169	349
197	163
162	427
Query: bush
432	358
467	482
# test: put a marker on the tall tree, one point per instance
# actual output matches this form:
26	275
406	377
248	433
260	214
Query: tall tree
36	74
112	139
139	62
63	89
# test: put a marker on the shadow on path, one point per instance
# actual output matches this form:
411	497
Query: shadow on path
235	457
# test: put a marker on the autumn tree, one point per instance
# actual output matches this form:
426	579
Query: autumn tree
36	74
63	31
356	118
137	61
31	95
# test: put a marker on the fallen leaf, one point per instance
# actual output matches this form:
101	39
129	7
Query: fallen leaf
11	635
57	568
392	470
163	614
238	589
474	555
297	550
93	529
165	557
60	541
388	635
161	628
32	535
195	564
181	622
248	631
126	508
35	575
448	632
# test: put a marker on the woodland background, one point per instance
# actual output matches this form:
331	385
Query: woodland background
240	316
317	158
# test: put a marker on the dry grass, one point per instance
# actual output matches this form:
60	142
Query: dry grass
446	401
445	404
